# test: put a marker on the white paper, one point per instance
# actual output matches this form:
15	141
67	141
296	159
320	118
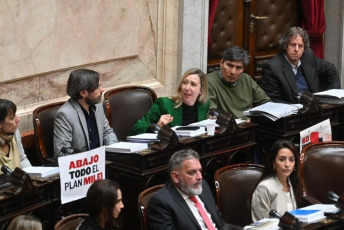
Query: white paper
337	93
326	208
126	147
204	123
78	171
41	171
273	110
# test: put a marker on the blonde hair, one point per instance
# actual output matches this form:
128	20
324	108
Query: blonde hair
25	222
203	97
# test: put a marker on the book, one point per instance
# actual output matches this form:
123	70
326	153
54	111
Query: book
41	171
126	147
144	137
273	110
189	133
308	215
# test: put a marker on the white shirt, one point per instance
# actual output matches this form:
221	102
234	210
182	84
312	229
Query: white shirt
195	211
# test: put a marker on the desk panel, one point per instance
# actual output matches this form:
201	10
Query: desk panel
138	171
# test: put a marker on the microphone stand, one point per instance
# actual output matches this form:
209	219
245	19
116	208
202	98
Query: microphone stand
289	221
226	122
310	104
168	139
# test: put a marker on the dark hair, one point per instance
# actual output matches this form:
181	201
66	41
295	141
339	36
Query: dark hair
25	222
291	32
178	99
294	176
178	157
102	195
82	79
6	107
235	53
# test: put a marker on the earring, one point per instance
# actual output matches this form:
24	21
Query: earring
274	167
294	169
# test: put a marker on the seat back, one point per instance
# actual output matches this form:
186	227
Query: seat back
43	124
143	200
126	105
235	185
70	222
322	168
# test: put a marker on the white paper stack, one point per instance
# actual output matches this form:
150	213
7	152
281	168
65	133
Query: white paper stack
41	171
189	133
126	147
273	110
332	96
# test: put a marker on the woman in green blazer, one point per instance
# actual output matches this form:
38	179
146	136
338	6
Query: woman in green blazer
189	105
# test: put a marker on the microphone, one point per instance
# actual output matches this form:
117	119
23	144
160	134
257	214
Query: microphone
69	151
331	195
154	128
213	113
6	170
274	214
66	151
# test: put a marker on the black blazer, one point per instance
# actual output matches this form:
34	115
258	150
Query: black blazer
167	209
278	78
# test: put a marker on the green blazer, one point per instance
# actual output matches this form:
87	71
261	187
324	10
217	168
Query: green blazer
164	105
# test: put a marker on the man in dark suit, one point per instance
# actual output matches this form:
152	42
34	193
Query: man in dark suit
296	69
172	206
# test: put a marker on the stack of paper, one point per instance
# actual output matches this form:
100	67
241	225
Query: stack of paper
189	133
36	171
126	147
308	216
144	137
264	224
332	96
273	110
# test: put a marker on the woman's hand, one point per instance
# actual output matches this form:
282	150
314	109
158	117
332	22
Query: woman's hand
165	120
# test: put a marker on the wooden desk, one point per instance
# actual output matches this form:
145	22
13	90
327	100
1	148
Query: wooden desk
42	201
138	171
289	127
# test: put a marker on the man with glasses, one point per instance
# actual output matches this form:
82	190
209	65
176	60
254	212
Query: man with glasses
296	70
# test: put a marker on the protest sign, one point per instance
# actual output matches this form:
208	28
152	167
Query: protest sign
78	171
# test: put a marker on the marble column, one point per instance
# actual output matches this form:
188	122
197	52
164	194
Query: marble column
334	35
193	35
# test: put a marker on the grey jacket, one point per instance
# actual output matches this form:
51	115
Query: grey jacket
70	128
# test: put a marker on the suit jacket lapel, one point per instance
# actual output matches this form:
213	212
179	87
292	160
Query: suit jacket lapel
82	119
177	116
99	122
182	203
288	73
309	73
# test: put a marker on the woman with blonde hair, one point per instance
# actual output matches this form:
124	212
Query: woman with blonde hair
189	105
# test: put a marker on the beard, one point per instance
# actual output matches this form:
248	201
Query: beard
190	190
97	100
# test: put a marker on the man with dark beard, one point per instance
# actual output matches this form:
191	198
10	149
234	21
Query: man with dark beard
80	124
186	201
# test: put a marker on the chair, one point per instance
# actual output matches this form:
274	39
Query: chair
143	200
124	106
235	185
70	222
43	124
322	168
